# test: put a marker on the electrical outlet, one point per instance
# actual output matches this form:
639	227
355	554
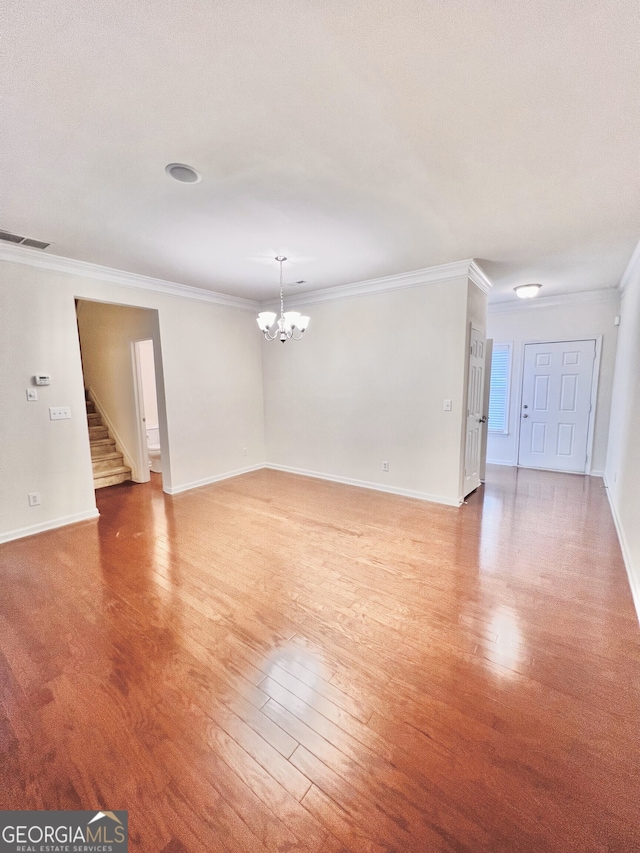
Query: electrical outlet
447	406
385	467
59	413
32	394
34	498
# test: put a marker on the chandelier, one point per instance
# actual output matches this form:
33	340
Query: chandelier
288	323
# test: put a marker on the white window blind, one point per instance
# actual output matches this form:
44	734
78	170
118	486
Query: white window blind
499	392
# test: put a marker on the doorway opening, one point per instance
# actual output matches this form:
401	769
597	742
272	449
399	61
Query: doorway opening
115	371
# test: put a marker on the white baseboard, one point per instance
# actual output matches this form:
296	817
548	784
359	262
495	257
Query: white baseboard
515	465
185	487
363	484
21	532
113	432
632	573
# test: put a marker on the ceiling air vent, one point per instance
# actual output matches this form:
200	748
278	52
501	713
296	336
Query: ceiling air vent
35	244
22	241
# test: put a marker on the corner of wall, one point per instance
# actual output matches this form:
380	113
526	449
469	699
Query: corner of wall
622	468
633	571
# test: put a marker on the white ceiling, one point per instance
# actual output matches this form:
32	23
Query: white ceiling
361	139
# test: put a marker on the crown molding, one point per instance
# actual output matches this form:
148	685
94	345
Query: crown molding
610	294
479	277
36	258
632	270
442	272
56	263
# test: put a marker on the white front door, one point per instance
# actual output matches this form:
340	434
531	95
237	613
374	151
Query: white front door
475	415
555	406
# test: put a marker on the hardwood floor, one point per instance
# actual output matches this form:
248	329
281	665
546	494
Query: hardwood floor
274	663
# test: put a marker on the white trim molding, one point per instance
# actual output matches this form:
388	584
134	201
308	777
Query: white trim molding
479	277
56	263
609	294
633	572
443	272
54	523
196	484
316	475
363	484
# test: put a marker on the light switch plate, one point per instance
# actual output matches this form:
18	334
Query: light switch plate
32	394
59	413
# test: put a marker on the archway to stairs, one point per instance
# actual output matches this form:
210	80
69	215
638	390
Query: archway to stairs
108	336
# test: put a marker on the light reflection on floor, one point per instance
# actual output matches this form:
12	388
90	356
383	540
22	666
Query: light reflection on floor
507	651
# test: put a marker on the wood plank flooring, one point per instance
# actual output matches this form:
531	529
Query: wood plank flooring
274	663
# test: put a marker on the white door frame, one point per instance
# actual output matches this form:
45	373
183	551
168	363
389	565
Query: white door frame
594	393
471	328
141	431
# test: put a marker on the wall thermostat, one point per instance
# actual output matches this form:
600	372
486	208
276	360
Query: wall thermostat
42	379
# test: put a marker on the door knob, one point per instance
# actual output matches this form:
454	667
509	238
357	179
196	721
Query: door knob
525	416
482	420
525	406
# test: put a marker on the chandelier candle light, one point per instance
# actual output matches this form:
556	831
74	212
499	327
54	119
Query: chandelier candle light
289	322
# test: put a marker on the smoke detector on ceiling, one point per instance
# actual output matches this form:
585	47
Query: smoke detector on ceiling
183	173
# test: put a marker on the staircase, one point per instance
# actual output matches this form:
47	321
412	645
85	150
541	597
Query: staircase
108	462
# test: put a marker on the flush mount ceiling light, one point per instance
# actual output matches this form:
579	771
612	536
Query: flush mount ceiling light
527	291
288	323
184	174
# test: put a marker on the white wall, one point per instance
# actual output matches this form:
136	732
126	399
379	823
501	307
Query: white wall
367	385
106	336
212	381
622	473
583	316
38	334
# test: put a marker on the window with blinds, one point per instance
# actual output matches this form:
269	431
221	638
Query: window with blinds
499	390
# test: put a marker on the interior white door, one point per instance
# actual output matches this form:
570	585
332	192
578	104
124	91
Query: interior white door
475	414
555	406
